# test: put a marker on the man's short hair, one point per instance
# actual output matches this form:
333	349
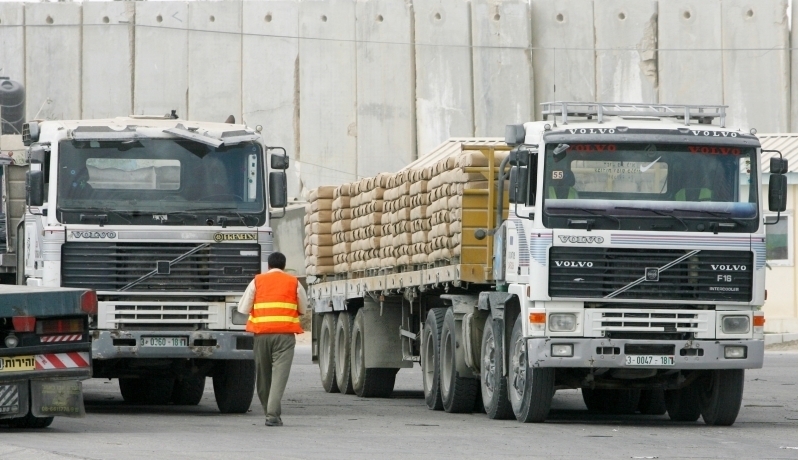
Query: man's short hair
276	260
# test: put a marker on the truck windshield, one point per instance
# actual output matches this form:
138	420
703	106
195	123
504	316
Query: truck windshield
168	181
673	187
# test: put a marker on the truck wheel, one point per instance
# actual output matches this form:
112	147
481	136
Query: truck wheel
327	353
368	383
493	384
720	396
531	389
343	344
154	391
594	400
652	402
683	404
234	385
29	421
602	400
430	358
130	391
188	390
457	393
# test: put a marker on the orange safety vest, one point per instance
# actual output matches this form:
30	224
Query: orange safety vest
275	310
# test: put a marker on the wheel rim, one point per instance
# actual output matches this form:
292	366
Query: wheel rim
518	375
489	367
340	349
357	355
447	361
427	361
326	344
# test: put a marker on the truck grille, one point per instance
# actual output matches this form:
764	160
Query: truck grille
113	266
623	323
579	272
132	314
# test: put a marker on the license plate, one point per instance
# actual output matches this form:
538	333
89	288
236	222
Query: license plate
9	399
649	360
164	341
17	363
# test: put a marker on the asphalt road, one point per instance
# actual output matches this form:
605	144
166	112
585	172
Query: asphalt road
320	425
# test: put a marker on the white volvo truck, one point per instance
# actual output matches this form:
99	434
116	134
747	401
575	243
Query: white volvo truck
168	221
631	266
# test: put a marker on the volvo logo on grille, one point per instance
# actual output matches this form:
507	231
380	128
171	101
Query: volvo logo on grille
729	268
581	239
219	237
93	234
572	264
652	274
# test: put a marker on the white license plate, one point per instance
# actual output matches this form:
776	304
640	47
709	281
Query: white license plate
164	341
649	360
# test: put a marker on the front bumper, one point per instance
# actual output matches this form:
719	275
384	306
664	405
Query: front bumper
587	354
201	344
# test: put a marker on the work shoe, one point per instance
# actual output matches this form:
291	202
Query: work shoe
274	421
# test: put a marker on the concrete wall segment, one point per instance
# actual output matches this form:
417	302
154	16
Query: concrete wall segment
53	63
385	86
12	41
161	61
107	59
756	64
444	88
328	93
270	75
626	50
502	65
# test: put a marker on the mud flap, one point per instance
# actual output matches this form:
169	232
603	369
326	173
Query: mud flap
63	398
14	399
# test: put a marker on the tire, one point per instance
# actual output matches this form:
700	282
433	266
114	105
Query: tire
606	401
457	393
343	357
493	385
594	400
652	402
188	390
530	390
327	353
234	385
683	404
430	358
368	383
29	421
151	391
720	396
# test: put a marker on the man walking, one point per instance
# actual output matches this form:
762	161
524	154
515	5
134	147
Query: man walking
274	301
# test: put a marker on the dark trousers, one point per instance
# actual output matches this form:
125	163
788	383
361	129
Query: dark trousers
273	356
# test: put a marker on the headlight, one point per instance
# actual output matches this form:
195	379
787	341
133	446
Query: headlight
735	324
238	318
562	322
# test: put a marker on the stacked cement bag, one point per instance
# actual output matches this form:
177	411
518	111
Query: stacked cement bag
342	228
318	232
420	225
367	208
444	207
395	243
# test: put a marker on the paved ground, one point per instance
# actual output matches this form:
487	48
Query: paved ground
321	425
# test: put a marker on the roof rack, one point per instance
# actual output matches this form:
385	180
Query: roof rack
702	114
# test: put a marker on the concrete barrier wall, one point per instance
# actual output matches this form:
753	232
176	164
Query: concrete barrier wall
354	87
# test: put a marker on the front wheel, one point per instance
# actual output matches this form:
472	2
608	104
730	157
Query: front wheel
234	385
188	390
683	404
721	395
148	390
531	389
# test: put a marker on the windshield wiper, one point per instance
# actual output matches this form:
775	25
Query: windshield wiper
655	211
101	218
721	215
588	211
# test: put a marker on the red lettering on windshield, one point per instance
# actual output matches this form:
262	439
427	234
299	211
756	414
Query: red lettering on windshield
594	148
712	150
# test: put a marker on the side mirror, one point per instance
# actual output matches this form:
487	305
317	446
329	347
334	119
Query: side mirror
777	192
519	157
514	135
37	154
278	189
778	166
34	185
30	133
519	178
279	162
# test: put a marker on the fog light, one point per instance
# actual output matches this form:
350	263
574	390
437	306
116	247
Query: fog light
735	324
565	350
562	322
736	352
11	341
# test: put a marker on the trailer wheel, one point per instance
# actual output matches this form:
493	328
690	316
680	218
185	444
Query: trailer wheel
155	391
188	390
652	402
368	383
493	384
327	353
721	395
457	393
683	404
29	421
343	358
234	385
430	358
531	389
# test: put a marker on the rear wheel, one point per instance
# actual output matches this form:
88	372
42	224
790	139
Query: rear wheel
430	357
457	393
683	404
531	389
493	384
721	395
343	345
327	353
29	421
188	390
234	385
368	383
